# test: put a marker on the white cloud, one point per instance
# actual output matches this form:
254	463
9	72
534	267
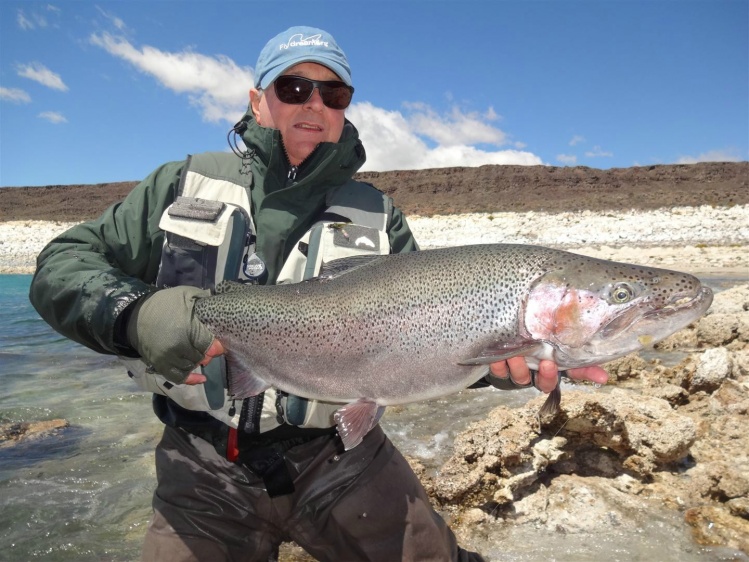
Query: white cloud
729	155
40	73
456	128
14	95
24	22
53	117
577	139
35	20
118	23
567	159
417	138
216	85
598	152
393	141
31	21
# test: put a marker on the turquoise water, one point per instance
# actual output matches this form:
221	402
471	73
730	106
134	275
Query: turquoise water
85	494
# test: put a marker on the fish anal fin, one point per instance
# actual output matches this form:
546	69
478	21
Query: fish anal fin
241	381
504	351
355	420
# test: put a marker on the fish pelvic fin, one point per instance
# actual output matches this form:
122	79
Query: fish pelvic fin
553	401
241	381
355	420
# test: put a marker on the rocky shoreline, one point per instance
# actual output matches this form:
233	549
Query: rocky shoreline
659	436
695	239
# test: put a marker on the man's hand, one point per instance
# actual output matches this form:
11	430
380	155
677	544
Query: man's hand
163	329
214	350
548	373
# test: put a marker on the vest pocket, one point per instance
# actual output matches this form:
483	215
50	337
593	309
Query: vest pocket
204	243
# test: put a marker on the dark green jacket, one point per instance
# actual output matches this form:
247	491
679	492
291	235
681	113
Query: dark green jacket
89	275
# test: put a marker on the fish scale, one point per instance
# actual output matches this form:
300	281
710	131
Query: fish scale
407	327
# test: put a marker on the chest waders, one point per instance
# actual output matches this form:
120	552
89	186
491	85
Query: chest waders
210	237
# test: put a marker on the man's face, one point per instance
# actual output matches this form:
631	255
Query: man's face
302	126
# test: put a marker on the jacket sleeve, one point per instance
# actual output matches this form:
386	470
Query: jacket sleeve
401	238
86	277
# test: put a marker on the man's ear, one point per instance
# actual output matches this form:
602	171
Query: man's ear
255	97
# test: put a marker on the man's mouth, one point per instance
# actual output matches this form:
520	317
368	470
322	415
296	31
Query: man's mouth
308	127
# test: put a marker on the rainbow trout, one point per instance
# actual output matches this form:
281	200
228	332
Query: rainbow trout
372	332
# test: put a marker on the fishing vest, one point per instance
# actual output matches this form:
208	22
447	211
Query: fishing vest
210	237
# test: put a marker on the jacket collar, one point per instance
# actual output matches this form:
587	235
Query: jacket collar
333	162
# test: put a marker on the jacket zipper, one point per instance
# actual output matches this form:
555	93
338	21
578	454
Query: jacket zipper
291	176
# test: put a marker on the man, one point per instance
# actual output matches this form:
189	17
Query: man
235	479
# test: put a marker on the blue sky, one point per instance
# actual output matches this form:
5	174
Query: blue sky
106	91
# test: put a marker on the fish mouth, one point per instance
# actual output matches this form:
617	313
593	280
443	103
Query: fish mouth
678	313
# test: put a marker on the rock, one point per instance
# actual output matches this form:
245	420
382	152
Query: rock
488	455
712	525
13	433
502	457
739	507
721	480
731	398
740	364
625	367
674	395
717	329
731	301
576	504
683	339
644	431
714	367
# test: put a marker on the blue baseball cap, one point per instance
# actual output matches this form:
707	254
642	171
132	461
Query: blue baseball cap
300	44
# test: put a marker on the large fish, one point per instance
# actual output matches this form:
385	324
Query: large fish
369	333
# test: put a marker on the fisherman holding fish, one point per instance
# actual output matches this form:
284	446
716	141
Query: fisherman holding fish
239	475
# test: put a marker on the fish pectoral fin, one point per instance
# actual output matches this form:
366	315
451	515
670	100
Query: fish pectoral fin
241	381
504	351
353	421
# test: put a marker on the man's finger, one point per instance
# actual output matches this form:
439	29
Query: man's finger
593	374
519	371
499	369
195	378
214	350
548	375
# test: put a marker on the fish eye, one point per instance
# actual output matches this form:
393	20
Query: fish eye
622	293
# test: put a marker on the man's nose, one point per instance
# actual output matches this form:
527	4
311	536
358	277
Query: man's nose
315	100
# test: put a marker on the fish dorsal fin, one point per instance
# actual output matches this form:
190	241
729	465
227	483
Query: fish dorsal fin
503	351
353	421
341	266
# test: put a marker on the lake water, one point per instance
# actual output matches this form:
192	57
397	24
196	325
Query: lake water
85	494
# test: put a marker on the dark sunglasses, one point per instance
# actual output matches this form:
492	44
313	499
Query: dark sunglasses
296	90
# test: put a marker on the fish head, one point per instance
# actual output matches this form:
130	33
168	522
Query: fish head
590	311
